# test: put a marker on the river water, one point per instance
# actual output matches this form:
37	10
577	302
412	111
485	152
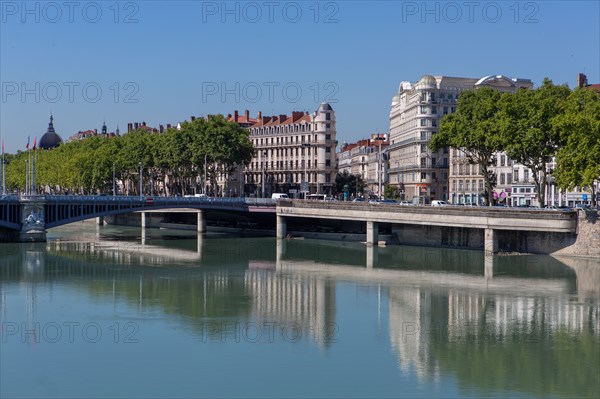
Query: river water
107	312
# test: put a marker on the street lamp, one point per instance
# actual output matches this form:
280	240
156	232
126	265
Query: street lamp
304	180
262	167
141	182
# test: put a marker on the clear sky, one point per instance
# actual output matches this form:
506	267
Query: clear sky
161	62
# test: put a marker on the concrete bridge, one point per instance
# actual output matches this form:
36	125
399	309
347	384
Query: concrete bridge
488	228
27	218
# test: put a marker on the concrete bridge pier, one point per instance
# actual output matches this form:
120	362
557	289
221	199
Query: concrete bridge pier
199	245
372	233
281	250
490	242
372	256
201	222
33	223
488	265
143	223
281	227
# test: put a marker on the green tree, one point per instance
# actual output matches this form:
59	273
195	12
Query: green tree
356	184
529	134
474	128
578	161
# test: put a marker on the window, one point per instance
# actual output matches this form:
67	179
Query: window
328	162
433	162
433	175
423	135
327	178
423	122
454	169
327	149
423	109
453	185
516	175
502	178
434	109
328	116
423	162
434	122
328	136
423	148
445	110
460	185
423	176
480	185
502	160
449	96
473	185
526	175
467	186
467	169
460	169
445	174
328	125
509	178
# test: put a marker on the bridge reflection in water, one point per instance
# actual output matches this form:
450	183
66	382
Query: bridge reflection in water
533	324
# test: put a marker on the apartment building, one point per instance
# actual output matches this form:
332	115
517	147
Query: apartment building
415	116
366	158
294	154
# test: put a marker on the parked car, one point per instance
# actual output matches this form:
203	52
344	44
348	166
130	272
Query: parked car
404	203
439	203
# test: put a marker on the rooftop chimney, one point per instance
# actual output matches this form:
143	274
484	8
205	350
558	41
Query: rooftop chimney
168	125
235	116
161	128
129	127
192	118
581	80
247	115
136	126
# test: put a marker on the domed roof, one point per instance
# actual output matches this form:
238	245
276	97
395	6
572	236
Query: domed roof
428	80
325	107
50	139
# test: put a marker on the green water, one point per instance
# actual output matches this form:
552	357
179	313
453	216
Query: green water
106	312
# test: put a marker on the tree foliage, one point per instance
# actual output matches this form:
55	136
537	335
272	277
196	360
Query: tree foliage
578	160
355	183
475	129
171	162
528	132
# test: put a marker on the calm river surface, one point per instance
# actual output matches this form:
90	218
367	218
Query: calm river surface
102	312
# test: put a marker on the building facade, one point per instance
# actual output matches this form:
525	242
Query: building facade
367	159
416	111
294	154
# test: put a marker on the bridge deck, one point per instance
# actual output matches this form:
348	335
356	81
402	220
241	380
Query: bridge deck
454	216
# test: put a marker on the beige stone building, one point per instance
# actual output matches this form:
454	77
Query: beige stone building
365	158
294	153
415	117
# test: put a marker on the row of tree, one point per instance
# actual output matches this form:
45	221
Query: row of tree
172	161
532	127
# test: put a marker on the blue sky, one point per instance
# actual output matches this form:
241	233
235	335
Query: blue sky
161	62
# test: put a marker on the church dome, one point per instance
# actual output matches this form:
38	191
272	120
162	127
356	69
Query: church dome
50	139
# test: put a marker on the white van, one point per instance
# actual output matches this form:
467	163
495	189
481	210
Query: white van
277	196
439	203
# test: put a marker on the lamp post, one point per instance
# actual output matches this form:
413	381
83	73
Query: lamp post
304	180
141	182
